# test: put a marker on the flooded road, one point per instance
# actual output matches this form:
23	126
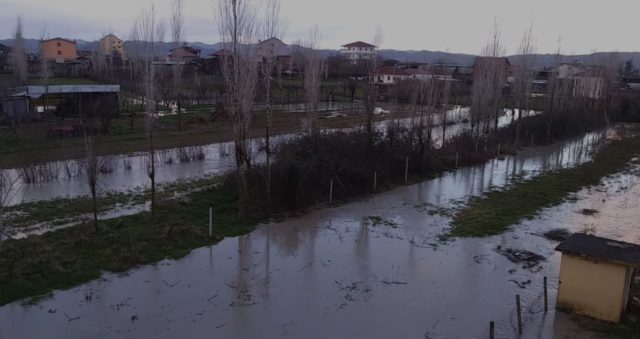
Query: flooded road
373	268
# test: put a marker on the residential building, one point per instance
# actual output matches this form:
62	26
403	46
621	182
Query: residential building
358	51
390	75
185	54
589	83
58	50
272	48
596	276
4	56
499	65
567	70
112	47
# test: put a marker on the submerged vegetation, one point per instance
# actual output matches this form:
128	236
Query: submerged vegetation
497	210
67	257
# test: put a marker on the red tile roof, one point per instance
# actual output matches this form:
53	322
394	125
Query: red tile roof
358	44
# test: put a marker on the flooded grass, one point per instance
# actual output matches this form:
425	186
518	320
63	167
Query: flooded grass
57	260
497	210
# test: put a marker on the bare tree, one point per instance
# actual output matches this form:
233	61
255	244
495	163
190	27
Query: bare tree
148	33
19	56
524	76
237	28
177	33
371	89
8	190
489	78
313	71
44	71
91	168
272	27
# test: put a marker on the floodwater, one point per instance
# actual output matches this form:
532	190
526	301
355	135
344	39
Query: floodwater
372	268
125	172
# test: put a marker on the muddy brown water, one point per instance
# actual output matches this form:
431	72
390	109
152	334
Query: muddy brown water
373	268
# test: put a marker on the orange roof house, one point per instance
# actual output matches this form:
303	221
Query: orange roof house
58	49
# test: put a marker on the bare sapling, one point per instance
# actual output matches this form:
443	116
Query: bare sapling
313	72
371	88
272	27
148	34
177	33
237	28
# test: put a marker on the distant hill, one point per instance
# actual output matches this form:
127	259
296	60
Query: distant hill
541	60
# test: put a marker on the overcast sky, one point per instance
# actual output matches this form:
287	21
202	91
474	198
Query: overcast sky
581	26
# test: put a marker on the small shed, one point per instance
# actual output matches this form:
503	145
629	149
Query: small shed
596	275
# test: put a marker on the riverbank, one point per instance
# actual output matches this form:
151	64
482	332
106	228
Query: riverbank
497	210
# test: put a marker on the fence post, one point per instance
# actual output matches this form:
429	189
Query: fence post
331	192
375	181
519	314
457	159
532	139
406	170
492	330
546	304
210	221
499	149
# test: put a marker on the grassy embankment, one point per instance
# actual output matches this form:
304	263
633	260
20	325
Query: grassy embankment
497	210
57	260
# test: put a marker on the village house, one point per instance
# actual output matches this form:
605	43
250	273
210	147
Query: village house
58	49
272	48
112	47
4	57
500	65
596	276
568	70
390	75
358	51
184	54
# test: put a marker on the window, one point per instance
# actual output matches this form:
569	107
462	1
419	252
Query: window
59	52
388	77
59	44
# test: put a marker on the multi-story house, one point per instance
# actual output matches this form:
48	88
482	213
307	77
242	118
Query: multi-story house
58	50
358	51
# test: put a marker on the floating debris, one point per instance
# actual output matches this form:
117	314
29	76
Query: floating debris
516	256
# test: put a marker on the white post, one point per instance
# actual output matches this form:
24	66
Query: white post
456	159
406	170
375	181
331	192
210	221
499	149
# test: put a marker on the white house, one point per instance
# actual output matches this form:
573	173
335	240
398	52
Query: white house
566	70
358	51
390	75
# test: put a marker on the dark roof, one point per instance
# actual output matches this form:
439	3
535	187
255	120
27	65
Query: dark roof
590	246
358	44
391	70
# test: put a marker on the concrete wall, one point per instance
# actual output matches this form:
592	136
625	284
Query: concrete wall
594	289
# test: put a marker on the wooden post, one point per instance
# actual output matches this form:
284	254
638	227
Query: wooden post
457	159
546	303
406	170
492	330
210	221
499	149
331	192
375	181
532	139
519	314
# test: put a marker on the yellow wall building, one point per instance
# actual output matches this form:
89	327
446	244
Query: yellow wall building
111	45
596	275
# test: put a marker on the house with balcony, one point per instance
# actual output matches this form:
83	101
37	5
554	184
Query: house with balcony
112	47
358	51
